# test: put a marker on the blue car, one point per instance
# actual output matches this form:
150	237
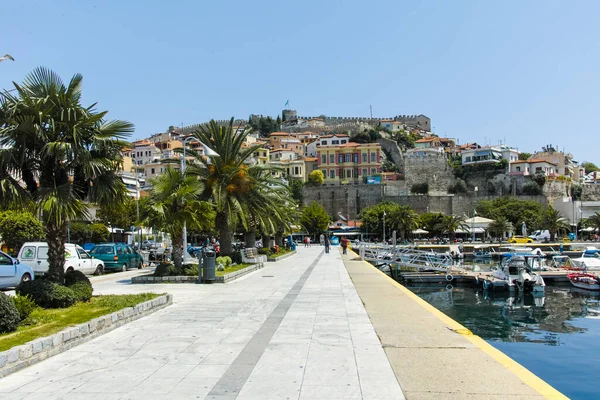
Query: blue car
12	272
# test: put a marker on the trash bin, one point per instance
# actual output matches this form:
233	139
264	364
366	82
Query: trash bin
209	270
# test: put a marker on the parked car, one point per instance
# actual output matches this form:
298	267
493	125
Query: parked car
543	235
35	254
520	239
118	256
149	245
13	272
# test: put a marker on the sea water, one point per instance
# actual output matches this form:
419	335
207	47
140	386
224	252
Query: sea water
556	336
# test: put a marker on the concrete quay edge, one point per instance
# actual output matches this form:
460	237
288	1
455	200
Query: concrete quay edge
531	380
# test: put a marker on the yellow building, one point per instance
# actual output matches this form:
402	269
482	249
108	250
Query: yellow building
349	162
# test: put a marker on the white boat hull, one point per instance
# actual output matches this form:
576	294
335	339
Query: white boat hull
586	286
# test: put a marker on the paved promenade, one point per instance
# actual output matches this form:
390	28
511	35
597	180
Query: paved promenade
296	329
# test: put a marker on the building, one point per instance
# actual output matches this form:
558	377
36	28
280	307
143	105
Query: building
333	140
349	162
564	161
144	151
489	154
275	138
532	167
283	154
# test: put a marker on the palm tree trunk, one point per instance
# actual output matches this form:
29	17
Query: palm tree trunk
56	237
178	249
250	238
279	238
222	225
266	241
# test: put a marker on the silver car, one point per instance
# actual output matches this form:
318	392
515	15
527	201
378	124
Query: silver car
12	272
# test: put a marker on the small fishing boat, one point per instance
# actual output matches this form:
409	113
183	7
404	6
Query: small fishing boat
483	251
517	274
584	281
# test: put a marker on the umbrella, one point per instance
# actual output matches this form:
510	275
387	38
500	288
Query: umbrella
420	231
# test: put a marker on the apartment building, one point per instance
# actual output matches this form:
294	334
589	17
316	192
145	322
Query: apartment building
348	162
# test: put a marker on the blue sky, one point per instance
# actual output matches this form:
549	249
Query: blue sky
524	72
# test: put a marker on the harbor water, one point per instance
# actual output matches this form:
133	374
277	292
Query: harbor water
556	335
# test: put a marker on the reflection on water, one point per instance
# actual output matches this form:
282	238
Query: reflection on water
556	336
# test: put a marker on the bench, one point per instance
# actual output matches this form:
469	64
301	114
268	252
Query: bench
251	255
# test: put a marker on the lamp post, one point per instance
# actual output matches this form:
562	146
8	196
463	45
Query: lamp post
384	214
207	152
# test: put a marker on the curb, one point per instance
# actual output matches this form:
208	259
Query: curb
194	279
282	257
37	350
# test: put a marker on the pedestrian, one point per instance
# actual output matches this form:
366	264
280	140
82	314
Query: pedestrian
327	244
306	241
322	240
345	245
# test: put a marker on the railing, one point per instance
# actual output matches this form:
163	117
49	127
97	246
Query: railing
406	256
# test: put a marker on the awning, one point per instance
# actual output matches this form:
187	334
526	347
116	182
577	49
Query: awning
420	231
475	230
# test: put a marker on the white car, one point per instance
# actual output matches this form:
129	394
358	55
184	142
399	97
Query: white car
76	258
12	272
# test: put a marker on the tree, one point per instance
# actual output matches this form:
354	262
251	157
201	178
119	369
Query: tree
576	191
420	188
513	209
532	189
404	219
524	156
314	218
539	178
451	223
18	227
296	186
83	232
552	220
458	187
265	125
62	151
236	190
499	226
316	177
372	217
173	199
430	221
593	221
121	215
589	167
360	137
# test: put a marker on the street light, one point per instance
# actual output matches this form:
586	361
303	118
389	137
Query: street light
207	152
384	214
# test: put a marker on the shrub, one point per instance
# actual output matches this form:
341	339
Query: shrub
82	291
459	187
236	257
191	270
532	189
47	294
25	305
266	251
224	260
9	315
165	269
420	188
73	277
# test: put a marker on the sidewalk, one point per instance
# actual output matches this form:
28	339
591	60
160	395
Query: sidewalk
293	330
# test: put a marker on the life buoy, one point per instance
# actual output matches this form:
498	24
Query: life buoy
449	287
449	278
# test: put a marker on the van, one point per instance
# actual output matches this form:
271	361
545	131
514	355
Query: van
540	235
118	256
35	254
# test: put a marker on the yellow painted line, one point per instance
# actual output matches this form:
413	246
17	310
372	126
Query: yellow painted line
529	378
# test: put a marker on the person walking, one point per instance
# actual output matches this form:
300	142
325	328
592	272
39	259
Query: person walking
345	245
327	244
306	241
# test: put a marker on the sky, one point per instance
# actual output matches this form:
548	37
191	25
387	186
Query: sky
524	73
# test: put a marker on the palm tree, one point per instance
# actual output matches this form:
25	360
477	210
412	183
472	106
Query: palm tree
63	153
552	220
236	189
499	226
405	220
593	221
174	198
450	224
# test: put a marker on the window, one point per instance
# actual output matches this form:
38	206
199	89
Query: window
364	157
103	250
342	175
335	142
324	171
343	141
128	250
323	159
341	159
324	142
348	157
373	171
332	159
43	253
355	158
296	172
348	173
356	172
152	171
332	174
364	171
468	159
120	250
5	260
518	169
82	254
373	157
28	253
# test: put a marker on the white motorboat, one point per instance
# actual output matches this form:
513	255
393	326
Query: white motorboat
589	260
518	275
584	281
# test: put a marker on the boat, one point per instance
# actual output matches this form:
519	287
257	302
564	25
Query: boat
564	262
534	259
483	251
589	260
517	274
584	281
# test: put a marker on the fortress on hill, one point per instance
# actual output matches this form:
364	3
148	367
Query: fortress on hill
291	122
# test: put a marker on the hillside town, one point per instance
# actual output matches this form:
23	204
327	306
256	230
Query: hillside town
401	155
